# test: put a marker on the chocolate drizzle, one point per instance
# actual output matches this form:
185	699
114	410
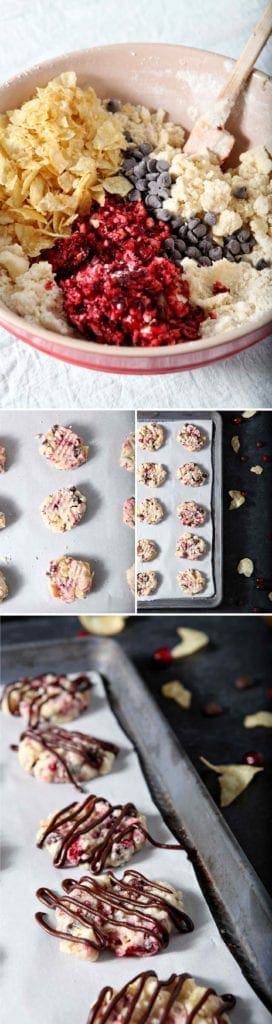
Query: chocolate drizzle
129	903
38	691
122	1004
110	826
88	748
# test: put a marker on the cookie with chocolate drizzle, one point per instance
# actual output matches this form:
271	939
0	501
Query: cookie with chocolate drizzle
52	754
131	916
146	999
47	698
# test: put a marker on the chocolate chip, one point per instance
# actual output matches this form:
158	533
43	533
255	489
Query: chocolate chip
191	237
164	179
228	256
177	222
128	136
246	247
210	218
200	230
140	169
129	164
162	165
204	261
177	261
192	252
243	235
169	244
153	187
138	154
146	148
182	231
243	682
262	264
212	709
134	195
205	245
152	164
152	176
233	246
241	192
113	106
215	253
193	222
142	184
163	214
181	245
153	202
164	194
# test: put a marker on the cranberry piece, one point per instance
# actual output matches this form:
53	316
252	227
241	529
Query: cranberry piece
253	757
260	444
163	654
212	709
269	692
81	633
217	288
49	285
260	583
243	682
266	458
237	419
243	458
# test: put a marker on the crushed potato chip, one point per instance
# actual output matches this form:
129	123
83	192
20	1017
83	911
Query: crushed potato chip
260	718
248	413
192	640
256	469
270	596
235	443
245	567
238	499
103	625
234	778
178	692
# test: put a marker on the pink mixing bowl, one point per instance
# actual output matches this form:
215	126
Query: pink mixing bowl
183	81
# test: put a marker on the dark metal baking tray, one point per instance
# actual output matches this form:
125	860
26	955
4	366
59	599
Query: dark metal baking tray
236	897
202	603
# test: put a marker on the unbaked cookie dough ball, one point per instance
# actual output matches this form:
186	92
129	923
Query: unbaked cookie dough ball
150	436
191	514
190	546
127	454
3	587
150	510
147	583
147	550
69	579
63	447
129	512
63	509
191	475
153	474
131	581
191	437
191	581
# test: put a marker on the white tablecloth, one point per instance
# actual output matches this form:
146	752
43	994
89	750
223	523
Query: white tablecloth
31	31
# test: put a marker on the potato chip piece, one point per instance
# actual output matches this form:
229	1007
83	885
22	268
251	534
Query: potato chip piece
270	596
103	625
178	692
238	499
263	718
235	443
193	640
256	469
248	413
234	778
117	185
245	567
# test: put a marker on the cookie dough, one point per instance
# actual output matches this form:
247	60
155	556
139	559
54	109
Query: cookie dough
191	581
150	436
189	545
70	579
127	454
153	474
191	437
63	509
147	583
52	754
112	834
191	514
150	510
3	587
63	447
3	457
2	520
131	581
129	916
145	998
191	475
147	550
47	698
129	512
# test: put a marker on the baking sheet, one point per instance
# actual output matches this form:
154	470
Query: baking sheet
50	986
171	493
27	546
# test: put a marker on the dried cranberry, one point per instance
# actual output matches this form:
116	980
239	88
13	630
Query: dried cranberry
163	654
266	458
260	444
253	757
269	692
218	288
237	419
243	682
212	709
49	285
260	583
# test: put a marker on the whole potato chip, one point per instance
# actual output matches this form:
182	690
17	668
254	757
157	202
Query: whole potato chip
235	443
178	692
263	718
193	640
256	469
238	499
248	413
234	778
245	567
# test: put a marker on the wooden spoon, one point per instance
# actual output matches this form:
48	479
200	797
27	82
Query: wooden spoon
208	132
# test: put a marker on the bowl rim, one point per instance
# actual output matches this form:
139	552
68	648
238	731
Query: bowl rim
210	341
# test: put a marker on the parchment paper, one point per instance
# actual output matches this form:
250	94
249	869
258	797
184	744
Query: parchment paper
40	984
171	493
27	545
